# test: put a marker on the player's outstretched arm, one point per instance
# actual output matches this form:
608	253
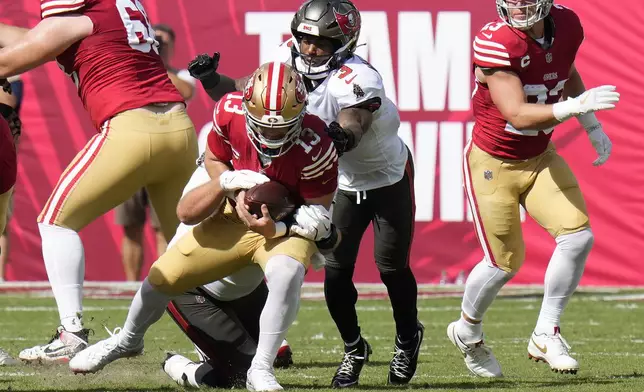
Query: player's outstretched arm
204	68
349	127
509	97
49	38
10	35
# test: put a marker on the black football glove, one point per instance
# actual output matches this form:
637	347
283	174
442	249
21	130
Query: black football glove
204	68
6	86
344	141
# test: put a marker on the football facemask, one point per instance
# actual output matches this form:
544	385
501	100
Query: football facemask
274	103
523	14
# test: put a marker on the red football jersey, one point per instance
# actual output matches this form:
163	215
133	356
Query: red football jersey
543	73
117	67
8	163
309	168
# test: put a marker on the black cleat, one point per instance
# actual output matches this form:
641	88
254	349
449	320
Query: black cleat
403	365
284	357
349	370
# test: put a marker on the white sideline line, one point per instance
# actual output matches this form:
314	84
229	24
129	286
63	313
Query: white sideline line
53	308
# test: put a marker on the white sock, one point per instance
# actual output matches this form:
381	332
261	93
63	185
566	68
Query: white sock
62	250
284	277
469	332
147	308
562	277
481	288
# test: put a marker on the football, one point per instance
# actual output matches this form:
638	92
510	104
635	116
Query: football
276	196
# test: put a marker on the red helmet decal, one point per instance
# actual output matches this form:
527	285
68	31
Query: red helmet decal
349	23
248	89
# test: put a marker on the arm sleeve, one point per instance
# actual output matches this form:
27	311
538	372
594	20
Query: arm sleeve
218	141
320	177
59	7
358	86
498	49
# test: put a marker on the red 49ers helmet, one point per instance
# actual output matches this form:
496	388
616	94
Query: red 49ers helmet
275	104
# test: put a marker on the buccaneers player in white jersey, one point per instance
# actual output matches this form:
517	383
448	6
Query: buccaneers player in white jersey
526	83
263	134
145	138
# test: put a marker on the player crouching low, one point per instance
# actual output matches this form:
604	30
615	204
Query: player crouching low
264	135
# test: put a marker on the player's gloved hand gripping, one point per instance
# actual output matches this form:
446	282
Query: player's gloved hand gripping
312	222
342	140
233	180
204	68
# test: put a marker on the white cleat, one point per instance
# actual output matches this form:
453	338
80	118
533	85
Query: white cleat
175	367
61	348
96	356
477	356
553	350
262	380
6	360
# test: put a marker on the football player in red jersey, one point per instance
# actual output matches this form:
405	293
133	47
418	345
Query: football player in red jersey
263	134
145	137
526	83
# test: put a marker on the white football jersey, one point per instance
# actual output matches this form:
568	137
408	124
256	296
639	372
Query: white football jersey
379	159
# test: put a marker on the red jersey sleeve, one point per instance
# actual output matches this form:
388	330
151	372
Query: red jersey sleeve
497	46
59	7
218	138
320	174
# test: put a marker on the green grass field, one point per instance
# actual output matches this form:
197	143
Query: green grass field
605	331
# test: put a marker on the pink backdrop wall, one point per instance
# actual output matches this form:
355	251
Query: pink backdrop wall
423	50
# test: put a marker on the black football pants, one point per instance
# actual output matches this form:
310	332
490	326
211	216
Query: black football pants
226	332
391	209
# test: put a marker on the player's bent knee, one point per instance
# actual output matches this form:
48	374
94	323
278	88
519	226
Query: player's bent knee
164	280
284	273
578	242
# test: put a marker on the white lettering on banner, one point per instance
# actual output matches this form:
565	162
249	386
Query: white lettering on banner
441	61
426	151
374	46
271	27
451	173
433	65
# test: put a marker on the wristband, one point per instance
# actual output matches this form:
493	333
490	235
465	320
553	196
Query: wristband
280	229
563	110
211	80
329	242
589	122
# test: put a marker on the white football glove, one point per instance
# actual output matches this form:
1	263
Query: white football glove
233	180
597	98
312	222
601	143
